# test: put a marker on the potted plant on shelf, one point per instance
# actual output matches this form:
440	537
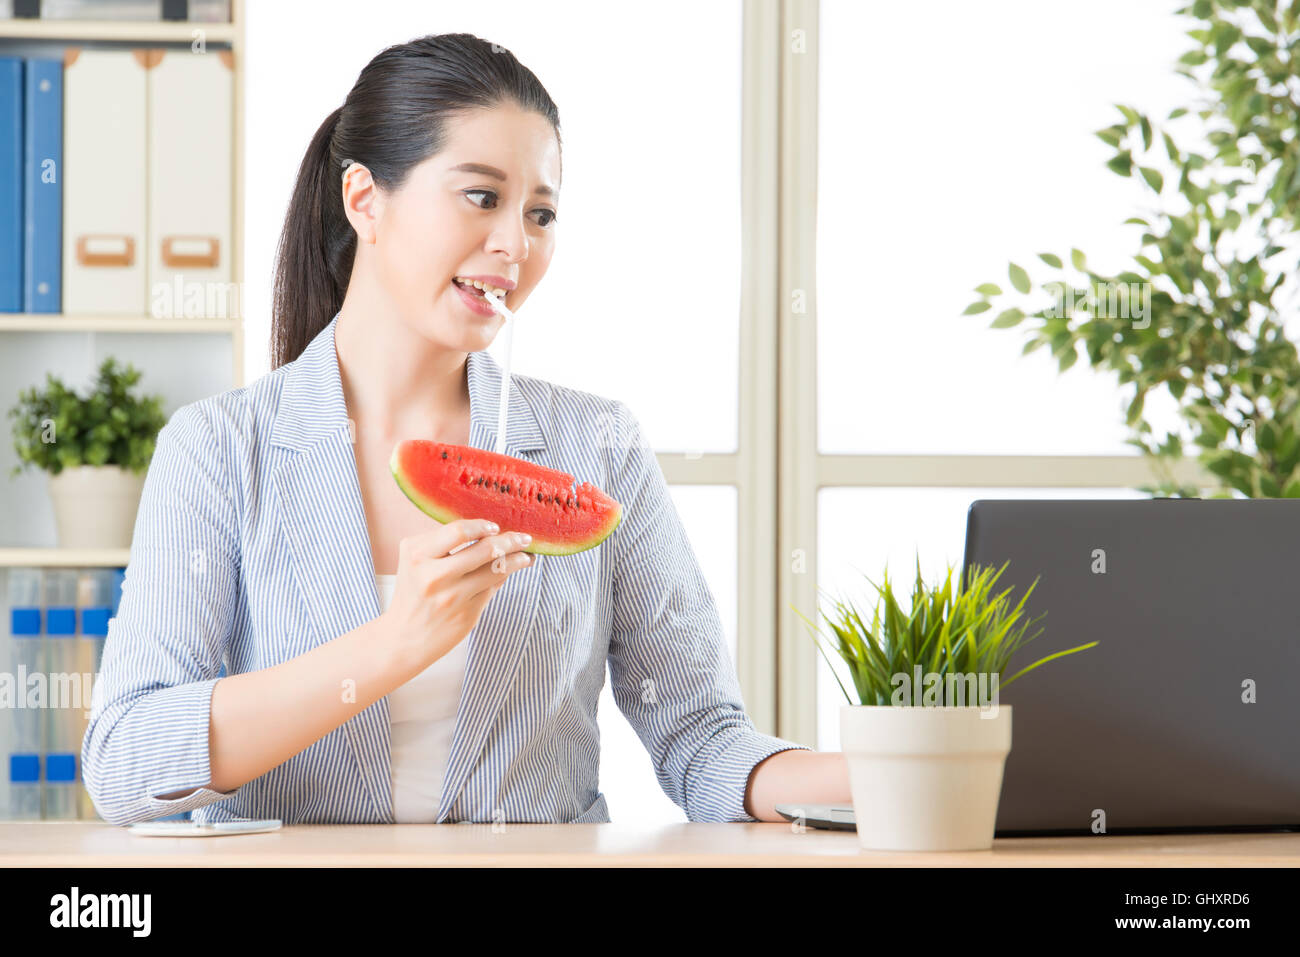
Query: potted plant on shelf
926	740
95	450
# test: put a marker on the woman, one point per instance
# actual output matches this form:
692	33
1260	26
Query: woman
272	539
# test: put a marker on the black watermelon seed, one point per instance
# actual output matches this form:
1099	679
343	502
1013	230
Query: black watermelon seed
458	458
444	455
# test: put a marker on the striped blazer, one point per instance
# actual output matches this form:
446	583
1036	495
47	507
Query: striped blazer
251	547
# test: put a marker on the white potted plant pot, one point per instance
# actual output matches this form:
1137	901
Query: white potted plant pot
95	505
925	778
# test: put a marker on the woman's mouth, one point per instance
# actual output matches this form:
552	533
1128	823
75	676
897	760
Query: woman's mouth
475	298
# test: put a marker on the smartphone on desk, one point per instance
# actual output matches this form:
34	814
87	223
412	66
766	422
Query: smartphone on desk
197	829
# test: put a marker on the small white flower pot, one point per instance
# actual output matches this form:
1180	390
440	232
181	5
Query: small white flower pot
925	779
95	505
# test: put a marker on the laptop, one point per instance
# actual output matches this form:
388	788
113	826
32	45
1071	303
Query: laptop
1186	716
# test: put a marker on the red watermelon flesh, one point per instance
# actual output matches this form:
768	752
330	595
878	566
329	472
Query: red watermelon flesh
451	482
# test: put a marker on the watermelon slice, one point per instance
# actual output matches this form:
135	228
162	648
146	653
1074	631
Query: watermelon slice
450	482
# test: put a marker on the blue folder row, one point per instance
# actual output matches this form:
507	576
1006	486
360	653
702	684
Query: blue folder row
52	621
31	184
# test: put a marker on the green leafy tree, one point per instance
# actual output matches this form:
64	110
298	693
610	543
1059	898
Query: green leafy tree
1202	310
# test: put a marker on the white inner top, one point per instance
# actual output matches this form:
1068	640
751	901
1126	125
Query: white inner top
422	714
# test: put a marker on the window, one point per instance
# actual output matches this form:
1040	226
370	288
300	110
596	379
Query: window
942	155
695	141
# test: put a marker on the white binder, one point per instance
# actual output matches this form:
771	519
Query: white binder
190	159
104	182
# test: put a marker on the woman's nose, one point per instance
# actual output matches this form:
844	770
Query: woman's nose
510	237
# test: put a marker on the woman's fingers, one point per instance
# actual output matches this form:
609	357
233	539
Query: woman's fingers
464	547
490	577
447	539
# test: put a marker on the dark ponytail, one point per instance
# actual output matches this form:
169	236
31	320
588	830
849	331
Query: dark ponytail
393	119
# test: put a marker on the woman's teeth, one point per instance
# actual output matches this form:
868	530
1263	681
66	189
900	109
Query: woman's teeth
482	287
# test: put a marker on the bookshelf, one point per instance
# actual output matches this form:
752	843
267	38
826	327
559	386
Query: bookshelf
44	322
129	31
64	557
43	334
61	341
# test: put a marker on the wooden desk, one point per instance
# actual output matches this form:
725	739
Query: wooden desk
96	844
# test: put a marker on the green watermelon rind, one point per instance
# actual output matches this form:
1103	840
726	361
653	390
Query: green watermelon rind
537	546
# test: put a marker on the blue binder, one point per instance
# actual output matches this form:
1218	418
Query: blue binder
11	184
43	161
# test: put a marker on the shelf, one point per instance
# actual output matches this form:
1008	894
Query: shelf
129	31
23	37
57	322
65	557
230	35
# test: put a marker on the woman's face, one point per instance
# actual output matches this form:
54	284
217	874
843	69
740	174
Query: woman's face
483	206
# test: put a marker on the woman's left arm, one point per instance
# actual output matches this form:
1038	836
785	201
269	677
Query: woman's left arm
671	673
794	777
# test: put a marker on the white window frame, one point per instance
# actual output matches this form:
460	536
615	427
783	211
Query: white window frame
778	468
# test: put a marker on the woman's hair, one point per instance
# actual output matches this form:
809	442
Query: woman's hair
393	118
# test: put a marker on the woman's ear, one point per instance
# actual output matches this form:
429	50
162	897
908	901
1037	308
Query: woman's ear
363	203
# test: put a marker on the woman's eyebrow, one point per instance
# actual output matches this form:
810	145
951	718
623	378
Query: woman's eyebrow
495	173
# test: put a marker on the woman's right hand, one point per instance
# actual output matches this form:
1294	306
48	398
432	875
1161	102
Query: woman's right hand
442	585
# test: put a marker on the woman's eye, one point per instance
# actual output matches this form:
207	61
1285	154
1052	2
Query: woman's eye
551	215
484	192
